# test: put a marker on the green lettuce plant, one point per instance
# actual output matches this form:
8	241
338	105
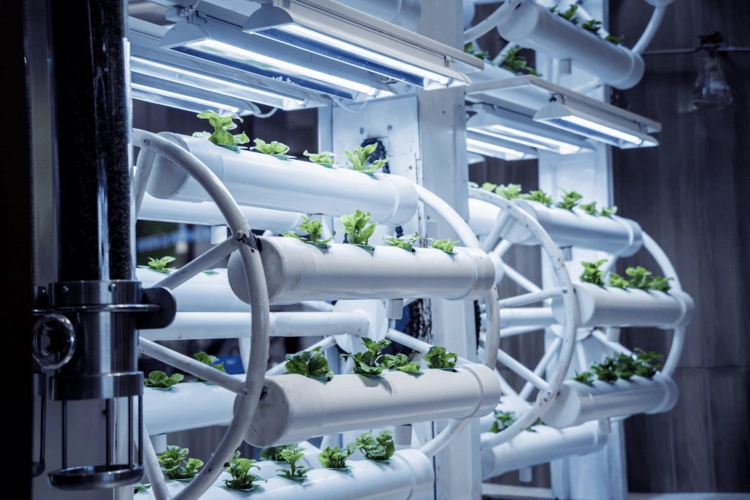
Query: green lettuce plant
406	241
589	208
360	159
444	245
335	458
160	265
592	274
379	448
509	191
314	228
539	196
273	148
584	378
221	136
291	455
517	64
439	357
239	469
608	211
175	463
157	379
324	158
273	453
503	420
141	488
311	364
401	362
358	232
371	362
569	201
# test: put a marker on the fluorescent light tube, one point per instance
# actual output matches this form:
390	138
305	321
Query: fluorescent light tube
252	59
180	101
608	129
355	55
495	150
204	82
533	140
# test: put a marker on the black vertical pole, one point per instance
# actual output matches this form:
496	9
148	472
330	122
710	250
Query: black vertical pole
91	139
17	270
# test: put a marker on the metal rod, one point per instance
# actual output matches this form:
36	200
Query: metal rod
64	434
140	430
664	52
130	432
108	433
43	430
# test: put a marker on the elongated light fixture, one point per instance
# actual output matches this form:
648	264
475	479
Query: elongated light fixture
332	30
589	122
489	145
221	43
521	129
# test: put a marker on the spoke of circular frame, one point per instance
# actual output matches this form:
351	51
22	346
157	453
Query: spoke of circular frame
520	279
618	348
551	351
196	266
581	356
153	469
143	169
521	370
531	298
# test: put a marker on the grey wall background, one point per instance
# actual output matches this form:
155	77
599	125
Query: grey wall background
690	195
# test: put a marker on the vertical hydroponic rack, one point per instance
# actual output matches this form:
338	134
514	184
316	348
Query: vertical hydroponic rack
390	73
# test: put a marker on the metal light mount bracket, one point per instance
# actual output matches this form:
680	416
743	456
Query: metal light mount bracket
88	335
335	31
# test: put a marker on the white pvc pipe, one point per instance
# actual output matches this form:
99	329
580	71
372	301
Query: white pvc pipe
521	370
529	316
219	325
489	22
520	279
578	403
614	235
482	216
202	293
408	475
542	445
608	306
187	405
207	213
648	34
297	271
542	366
533	297
532	25
296	408
260	180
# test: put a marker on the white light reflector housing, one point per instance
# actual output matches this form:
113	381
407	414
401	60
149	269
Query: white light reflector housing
520	129
338	32
489	145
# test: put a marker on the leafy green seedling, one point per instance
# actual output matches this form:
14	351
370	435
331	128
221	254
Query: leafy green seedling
379	448
314	228
539	196
570	14
592	26
605	371
439	357
273	453
324	158
644	363
589	208
141	488
641	277
292	455
360	159
517	64
509	192
406	241
176	465
370	362
208	360
488	186
311	364
473	185
660	284
335	458
444	245
569	201
470	48
273	148
157	379
401	362
358	232
625	366
584	378
592	274
160	265
221	136
613	39
618	281
608	212
239	469
503	420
